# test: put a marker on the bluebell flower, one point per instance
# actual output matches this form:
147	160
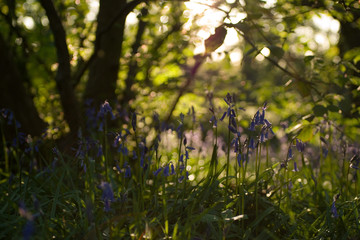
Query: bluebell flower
127	172
300	146
181	178
172	169
28	230
213	120
223	116
232	129
267	123
104	109
262	117
325	151
107	195
157	171
334	210
252	143
181	160
257	118
166	171
239	160
295	167
252	126
190	148
29	227
100	151
290	154
185	141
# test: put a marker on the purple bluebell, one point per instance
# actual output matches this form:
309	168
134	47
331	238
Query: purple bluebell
232	129
127	172
257	118
267	123
334	210
157	171
325	152
295	167
290	154
300	146
166	171
28	230
239	160
190	148
172	168
29	227
213	120
223	116
100	151
252	126
107	195
104	109
181	160
252	143
185	141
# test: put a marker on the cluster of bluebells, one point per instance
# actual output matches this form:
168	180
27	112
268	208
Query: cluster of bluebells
8	115
84	148
266	127
300	146
105	109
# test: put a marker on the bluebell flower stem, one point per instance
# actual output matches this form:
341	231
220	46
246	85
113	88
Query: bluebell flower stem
227	163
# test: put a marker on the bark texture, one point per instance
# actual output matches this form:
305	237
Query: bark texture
14	96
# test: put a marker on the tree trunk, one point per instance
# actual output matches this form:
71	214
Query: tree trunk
63	76
104	69
14	96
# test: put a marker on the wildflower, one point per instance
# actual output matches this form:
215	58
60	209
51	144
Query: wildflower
239	159
166	171
295	167
29	227
127	170
232	129
107	195
157	171
213	120
300	146
172	169
333	206
334	211
290	154
100	151
104	109
252	126
252	143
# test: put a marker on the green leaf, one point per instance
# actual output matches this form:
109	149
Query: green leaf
307	59
276	51
306	134
319	110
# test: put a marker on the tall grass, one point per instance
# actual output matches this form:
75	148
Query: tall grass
153	181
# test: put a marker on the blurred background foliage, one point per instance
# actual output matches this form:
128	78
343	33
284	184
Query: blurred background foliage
300	56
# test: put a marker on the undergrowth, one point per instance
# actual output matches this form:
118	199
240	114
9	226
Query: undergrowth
155	181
